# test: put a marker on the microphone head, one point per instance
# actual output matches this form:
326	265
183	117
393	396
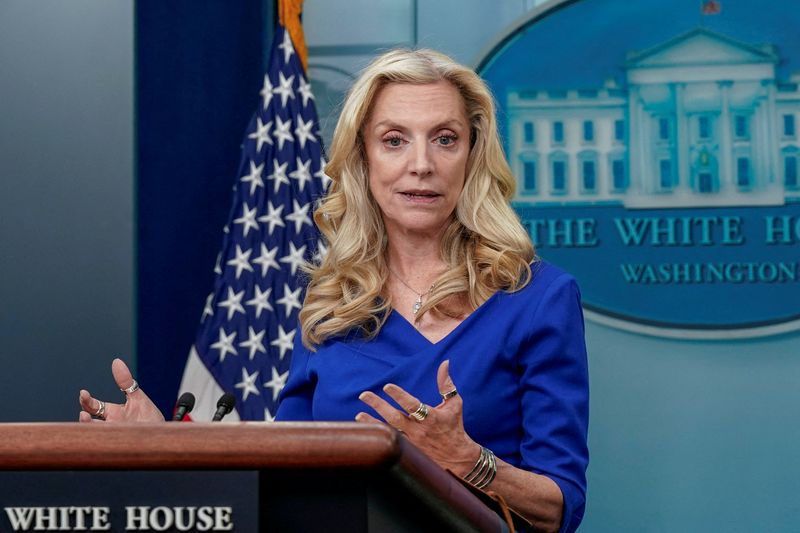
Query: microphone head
228	401
186	400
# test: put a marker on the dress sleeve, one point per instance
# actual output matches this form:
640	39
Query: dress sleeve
555	396
295	401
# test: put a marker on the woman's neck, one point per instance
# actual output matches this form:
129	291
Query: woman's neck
416	261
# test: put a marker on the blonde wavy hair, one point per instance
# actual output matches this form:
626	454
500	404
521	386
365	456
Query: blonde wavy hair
485	246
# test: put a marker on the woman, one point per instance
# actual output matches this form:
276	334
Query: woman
430	311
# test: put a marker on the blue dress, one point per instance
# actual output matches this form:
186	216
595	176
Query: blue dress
518	362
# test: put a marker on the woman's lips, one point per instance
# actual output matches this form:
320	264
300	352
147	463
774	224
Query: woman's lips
420	197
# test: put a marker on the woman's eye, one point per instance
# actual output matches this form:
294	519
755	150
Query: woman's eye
394	141
446	140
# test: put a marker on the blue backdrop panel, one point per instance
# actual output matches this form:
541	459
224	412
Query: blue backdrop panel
198	72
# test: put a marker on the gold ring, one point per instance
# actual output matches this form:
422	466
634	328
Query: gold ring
449	394
133	388
421	413
101	411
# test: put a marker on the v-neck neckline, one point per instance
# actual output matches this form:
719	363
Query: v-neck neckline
452	332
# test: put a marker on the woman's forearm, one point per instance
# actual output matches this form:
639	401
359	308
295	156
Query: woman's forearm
534	496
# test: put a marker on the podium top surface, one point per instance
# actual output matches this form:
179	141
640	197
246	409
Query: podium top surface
198	445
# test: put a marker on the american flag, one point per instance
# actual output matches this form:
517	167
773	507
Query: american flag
249	322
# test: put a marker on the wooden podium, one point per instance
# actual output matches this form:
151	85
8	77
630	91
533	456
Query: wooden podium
292	477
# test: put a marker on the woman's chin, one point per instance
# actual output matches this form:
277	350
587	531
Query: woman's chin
419	226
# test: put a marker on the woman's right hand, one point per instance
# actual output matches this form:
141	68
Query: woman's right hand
137	407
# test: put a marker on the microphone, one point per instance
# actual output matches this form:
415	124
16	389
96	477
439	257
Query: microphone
224	406
184	407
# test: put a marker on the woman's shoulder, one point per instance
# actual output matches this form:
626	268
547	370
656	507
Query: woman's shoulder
546	279
545	275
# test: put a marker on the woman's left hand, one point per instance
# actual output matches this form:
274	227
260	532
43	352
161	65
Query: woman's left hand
440	434
137	407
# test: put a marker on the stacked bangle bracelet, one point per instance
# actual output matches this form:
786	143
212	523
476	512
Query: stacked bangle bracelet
484	470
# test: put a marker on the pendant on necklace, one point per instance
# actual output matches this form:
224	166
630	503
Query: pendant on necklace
417	304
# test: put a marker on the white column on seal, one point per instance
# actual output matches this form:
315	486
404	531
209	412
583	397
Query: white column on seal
682	136
727	177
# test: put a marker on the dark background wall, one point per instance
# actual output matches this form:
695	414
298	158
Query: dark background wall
199	69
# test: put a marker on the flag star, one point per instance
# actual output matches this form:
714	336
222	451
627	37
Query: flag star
241	261
299	216
285	341
261	135
273	218
303	131
326	180
284	88
267	259
276	383
268	417
217	264
248	384
248	218
254	178
321	252
282	131
302	174
286	46
266	91
261	300
279	175
225	344
296	257
233	302
291	299
208	310
305	90
254	342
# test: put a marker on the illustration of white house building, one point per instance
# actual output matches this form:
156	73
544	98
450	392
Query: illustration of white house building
701	121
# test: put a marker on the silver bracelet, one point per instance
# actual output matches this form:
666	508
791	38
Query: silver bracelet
491	470
484	470
480	464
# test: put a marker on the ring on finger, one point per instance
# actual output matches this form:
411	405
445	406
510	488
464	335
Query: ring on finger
133	388
421	413
101	410
449	394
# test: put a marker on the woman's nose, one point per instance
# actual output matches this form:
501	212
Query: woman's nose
421	163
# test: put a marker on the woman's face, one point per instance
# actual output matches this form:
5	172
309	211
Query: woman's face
417	142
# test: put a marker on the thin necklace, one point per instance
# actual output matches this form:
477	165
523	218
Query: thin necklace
418	303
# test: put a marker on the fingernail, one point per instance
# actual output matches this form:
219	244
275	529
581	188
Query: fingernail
362	396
